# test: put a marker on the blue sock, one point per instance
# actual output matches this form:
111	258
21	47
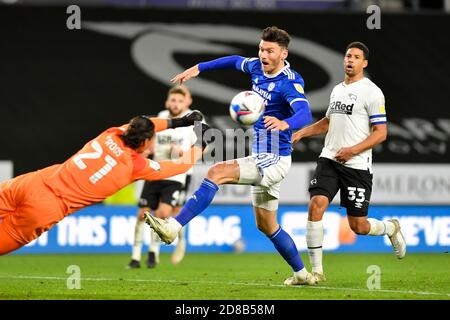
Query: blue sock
287	248
199	201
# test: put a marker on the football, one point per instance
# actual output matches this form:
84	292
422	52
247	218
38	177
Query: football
246	107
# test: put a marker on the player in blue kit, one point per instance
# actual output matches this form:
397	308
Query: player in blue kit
286	109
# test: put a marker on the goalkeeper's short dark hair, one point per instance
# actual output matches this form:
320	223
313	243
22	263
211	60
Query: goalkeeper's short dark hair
139	129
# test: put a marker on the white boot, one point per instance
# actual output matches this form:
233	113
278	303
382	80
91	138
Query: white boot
167	229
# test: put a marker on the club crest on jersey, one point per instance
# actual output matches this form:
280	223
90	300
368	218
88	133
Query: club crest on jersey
299	88
271	86
353	96
341	108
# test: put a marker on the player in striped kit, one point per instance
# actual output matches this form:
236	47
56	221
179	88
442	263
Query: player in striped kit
355	122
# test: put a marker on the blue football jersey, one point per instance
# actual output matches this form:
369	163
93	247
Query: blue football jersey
279	91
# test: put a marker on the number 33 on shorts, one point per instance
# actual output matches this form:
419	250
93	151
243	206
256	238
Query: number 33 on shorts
357	195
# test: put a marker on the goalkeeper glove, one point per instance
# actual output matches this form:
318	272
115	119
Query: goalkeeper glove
186	121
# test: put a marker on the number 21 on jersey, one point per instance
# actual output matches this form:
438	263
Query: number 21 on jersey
98	152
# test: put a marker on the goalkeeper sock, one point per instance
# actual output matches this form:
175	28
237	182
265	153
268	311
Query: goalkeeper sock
380	228
199	201
287	248
138	238
314	241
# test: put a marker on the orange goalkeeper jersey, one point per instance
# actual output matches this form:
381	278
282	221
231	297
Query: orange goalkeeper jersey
104	166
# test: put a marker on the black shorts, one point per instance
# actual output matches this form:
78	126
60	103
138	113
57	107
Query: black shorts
165	191
355	185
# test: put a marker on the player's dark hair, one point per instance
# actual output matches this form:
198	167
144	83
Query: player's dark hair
139	129
361	46
274	34
178	90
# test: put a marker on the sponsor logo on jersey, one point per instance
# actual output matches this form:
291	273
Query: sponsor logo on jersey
299	88
262	92
168	139
342	108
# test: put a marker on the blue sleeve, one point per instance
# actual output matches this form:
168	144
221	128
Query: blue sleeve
301	117
294	94
293	91
249	65
228	62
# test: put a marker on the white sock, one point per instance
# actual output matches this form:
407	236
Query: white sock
155	243
380	228
138	238
314	241
301	273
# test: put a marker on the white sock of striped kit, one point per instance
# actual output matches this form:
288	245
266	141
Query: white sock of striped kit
314	241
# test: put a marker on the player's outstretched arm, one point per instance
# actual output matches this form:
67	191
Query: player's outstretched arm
170	168
228	62
315	129
187	74
186	121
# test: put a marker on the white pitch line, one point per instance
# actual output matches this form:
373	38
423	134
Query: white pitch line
234	283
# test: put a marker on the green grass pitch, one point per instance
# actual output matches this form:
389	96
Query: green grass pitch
222	276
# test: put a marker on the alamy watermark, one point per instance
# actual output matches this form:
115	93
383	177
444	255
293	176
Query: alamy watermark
73	21
74	278
374	20
374	280
235	143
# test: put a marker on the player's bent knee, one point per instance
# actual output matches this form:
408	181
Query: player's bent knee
221	173
215	172
317	207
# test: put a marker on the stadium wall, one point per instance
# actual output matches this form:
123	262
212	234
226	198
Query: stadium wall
66	86
231	228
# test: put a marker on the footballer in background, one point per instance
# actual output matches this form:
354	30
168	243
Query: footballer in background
166	197
354	123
